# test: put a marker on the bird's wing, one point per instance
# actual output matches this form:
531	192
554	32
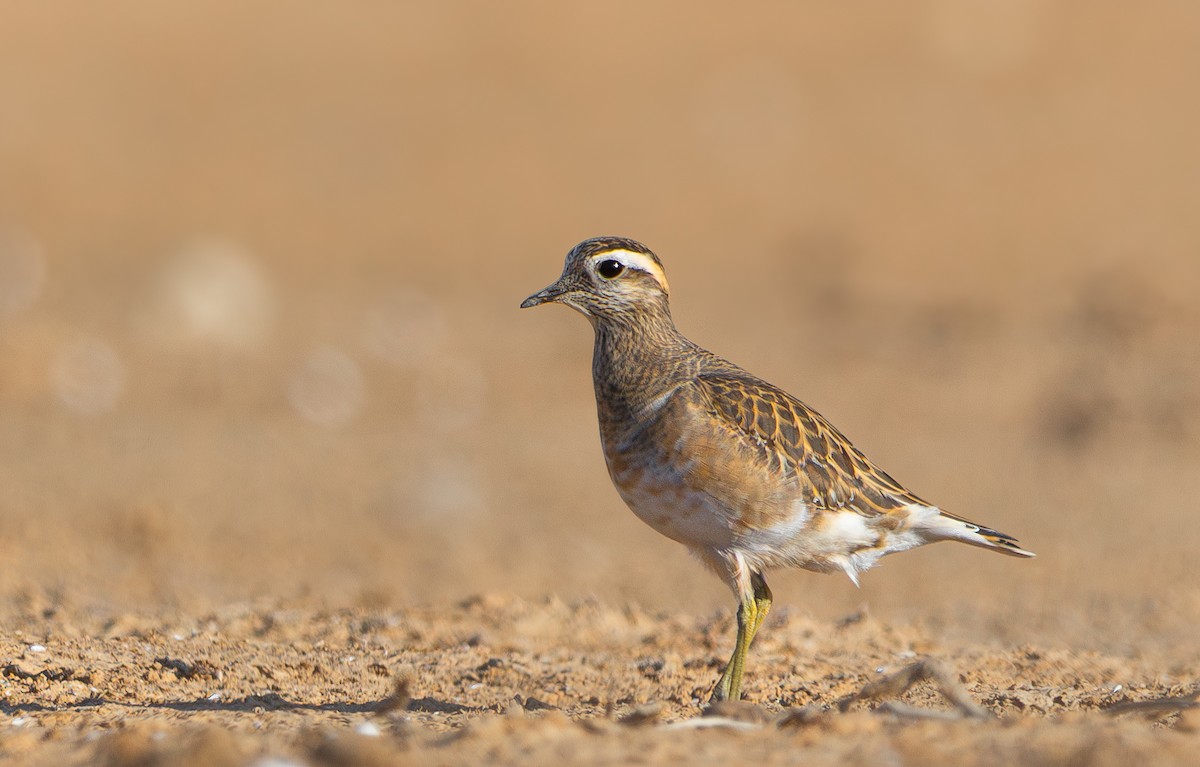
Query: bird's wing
788	436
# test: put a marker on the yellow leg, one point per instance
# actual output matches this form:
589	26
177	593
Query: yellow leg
762	601
750	616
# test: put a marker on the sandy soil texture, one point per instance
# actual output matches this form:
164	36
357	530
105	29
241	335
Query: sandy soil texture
512	682
287	478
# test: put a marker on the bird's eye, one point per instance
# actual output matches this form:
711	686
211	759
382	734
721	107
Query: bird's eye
610	269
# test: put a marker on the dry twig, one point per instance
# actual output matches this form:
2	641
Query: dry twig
895	685
1156	707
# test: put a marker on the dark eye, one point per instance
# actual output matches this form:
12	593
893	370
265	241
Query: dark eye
610	269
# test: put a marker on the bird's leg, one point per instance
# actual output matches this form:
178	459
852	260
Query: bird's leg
729	687
750	616
762	602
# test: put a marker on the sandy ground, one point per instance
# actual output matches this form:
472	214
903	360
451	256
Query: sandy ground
502	680
289	479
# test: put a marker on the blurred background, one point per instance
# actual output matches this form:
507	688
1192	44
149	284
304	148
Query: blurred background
260	266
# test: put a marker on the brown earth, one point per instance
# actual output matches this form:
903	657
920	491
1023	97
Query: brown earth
503	680
287	477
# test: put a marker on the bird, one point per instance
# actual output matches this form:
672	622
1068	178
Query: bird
743	474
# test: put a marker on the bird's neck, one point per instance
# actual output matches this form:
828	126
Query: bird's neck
637	359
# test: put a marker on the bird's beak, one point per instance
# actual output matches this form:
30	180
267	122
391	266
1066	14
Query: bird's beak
551	293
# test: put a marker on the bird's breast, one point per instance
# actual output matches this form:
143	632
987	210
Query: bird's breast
656	492
682	476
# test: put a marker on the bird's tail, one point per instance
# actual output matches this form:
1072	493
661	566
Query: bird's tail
947	527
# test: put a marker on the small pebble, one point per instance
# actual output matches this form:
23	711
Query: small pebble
275	761
369	729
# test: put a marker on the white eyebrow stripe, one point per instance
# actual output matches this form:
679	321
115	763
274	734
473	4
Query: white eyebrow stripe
637	261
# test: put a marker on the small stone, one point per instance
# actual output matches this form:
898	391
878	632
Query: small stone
368	729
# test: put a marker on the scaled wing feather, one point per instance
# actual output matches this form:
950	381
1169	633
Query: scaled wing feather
790	436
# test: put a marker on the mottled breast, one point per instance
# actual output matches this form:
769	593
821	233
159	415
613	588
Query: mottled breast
685	474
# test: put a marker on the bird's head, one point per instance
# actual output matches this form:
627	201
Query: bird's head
607	278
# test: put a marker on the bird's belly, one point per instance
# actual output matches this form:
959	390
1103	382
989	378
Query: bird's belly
659	497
